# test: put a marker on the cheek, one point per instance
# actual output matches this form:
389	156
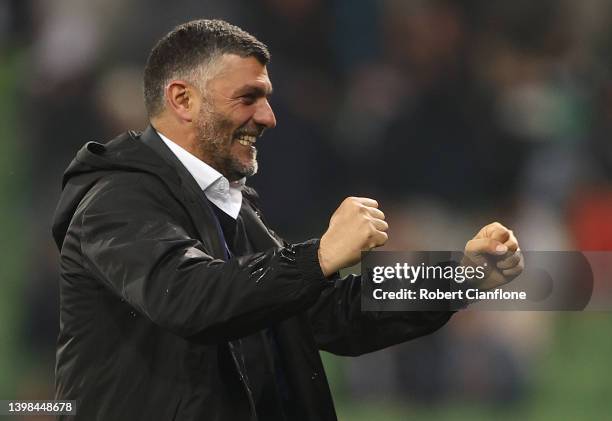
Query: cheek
242	116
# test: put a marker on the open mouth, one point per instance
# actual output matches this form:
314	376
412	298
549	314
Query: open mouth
246	140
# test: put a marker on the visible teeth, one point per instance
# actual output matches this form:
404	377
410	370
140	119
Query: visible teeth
246	140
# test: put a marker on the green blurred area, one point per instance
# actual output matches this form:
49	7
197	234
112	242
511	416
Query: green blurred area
571	381
13	223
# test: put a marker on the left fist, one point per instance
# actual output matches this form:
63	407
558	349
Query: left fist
496	249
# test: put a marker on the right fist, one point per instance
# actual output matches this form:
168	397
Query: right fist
357	225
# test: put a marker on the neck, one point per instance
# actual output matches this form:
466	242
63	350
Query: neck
179	134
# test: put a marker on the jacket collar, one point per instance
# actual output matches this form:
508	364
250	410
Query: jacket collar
195	202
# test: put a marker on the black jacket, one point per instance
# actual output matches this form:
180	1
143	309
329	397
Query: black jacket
151	313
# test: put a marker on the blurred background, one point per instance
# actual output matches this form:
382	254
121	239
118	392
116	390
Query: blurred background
451	113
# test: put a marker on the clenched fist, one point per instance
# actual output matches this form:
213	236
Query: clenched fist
357	225
496	248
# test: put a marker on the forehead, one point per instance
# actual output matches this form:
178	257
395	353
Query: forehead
236	72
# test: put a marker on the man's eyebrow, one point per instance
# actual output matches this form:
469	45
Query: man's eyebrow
254	89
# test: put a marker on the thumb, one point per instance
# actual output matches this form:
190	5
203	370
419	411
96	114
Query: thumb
486	246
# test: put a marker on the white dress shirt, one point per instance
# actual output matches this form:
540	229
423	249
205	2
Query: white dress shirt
225	195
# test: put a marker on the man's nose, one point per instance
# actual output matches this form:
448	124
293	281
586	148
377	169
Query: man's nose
264	115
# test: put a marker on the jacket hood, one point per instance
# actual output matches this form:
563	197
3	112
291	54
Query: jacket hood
93	161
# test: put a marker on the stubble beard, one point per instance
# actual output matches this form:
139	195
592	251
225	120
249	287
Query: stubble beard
215	141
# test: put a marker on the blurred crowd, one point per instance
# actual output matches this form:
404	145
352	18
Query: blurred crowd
451	113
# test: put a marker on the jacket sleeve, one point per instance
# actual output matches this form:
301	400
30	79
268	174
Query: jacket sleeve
134	241
340	327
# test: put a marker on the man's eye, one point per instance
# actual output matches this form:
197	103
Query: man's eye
248	99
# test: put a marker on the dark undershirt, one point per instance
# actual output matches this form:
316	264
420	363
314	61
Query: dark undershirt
261	351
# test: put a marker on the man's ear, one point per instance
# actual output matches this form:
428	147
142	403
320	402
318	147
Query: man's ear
182	100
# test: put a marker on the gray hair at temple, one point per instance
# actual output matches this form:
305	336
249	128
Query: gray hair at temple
190	52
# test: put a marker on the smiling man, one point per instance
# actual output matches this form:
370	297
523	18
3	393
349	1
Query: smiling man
176	300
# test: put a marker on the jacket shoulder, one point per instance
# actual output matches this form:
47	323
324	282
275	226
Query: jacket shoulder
128	189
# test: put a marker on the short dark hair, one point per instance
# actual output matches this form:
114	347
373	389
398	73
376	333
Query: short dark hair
190	45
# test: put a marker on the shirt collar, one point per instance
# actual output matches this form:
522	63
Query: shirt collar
225	195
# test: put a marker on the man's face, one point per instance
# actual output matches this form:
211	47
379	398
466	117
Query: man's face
235	112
